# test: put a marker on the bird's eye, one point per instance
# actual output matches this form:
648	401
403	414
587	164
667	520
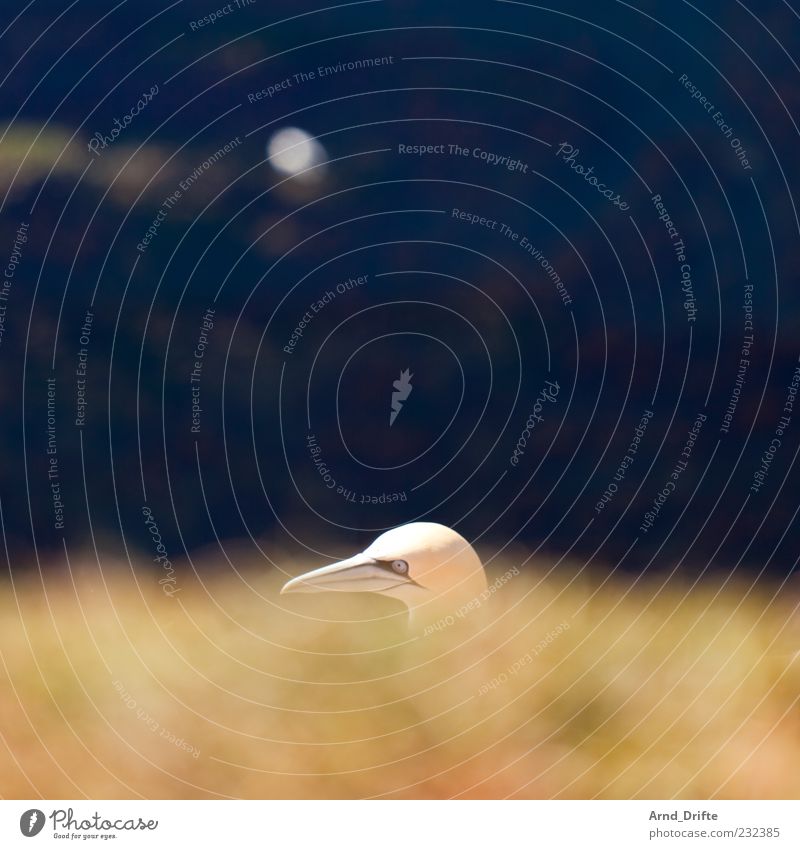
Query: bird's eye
400	566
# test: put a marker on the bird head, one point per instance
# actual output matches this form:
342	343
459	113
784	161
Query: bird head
428	567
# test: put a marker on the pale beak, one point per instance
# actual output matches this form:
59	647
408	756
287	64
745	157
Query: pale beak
357	574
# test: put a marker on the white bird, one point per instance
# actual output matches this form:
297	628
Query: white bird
429	567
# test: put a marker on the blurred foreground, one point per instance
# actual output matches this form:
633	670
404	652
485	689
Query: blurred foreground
554	688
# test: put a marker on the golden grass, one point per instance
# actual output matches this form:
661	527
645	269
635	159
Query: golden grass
111	689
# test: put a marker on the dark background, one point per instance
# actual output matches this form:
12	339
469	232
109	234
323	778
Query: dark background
507	78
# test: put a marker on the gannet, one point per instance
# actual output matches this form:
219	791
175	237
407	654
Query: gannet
429	567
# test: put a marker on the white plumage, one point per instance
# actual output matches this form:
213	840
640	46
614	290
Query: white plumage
427	566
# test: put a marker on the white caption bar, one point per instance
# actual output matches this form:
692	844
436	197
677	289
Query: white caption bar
402	824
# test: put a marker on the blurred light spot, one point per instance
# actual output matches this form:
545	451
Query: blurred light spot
293	151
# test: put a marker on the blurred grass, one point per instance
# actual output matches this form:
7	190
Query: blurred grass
31	154
111	689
